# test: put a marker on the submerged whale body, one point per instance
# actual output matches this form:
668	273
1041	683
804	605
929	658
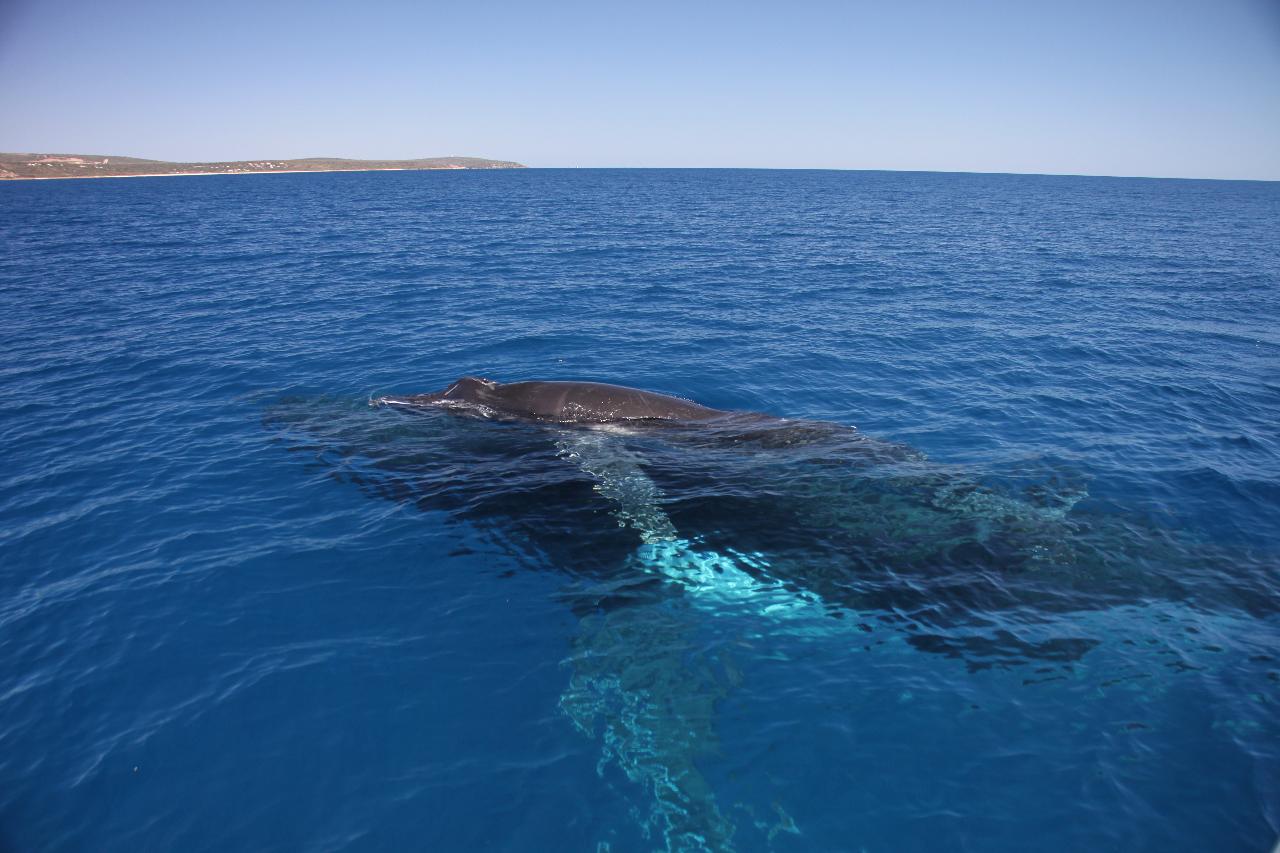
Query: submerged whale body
861	524
560	402
847	505
843	515
661	512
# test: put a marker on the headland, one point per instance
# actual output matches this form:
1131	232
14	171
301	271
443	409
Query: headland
37	166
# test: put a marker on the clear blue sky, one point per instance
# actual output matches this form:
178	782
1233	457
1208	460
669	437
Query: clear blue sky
1185	88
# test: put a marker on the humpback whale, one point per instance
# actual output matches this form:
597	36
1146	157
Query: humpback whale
619	408
561	402
878	503
680	529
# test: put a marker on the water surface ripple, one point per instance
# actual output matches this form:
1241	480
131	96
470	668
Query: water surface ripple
1031	602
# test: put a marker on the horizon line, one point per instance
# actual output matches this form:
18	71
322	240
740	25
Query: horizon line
920	171
615	168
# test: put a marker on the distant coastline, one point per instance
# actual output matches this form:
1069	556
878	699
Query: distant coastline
35	167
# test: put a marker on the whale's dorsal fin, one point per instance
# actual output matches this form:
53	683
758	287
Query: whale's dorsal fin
468	385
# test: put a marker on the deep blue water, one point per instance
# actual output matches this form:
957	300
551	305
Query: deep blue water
1033	603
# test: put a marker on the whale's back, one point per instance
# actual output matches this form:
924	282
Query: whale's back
587	402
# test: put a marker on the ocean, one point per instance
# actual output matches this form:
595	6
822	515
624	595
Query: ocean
1006	579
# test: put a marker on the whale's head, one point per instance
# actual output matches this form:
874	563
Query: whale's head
468	389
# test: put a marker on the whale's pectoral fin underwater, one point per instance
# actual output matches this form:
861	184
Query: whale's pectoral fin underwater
720	581
631	667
